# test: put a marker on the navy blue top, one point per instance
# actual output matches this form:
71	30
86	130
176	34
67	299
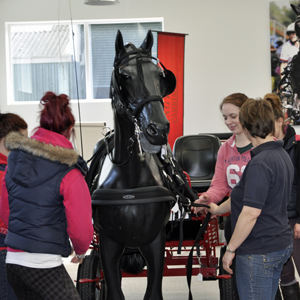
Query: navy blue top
266	184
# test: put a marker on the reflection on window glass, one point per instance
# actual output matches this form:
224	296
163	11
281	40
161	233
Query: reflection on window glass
42	59
103	50
46	57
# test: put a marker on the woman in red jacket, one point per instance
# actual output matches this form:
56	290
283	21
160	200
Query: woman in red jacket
8	122
49	204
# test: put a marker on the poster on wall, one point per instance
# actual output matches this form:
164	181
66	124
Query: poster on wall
284	48
170	50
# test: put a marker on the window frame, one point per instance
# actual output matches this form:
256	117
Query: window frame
87	38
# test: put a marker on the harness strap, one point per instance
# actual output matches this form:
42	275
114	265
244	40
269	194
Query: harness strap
125	58
171	175
133	201
122	60
97	160
142	103
189	263
141	195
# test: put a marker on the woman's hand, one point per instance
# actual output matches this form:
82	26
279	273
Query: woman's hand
77	259
227	261
214	209
297	231
203	199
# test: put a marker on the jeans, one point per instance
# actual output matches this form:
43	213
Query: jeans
257	275
6	291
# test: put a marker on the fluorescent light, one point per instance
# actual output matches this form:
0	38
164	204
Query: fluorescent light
101	2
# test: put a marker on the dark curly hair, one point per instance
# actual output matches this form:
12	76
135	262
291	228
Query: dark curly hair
11	122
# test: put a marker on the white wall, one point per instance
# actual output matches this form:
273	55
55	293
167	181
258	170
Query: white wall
227	50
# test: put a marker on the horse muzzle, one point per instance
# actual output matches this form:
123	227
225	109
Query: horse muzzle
157	134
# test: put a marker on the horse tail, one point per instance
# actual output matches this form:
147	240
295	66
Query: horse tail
132	262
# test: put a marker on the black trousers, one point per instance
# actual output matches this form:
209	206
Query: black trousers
41	284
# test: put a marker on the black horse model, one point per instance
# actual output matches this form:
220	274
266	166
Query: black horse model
134	186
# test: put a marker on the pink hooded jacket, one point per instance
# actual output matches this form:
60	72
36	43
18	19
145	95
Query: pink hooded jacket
228	171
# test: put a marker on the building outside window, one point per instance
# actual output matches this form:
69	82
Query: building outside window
46	56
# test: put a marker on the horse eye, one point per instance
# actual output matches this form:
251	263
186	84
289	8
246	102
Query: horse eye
126	77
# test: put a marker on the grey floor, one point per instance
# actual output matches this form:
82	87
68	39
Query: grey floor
174	288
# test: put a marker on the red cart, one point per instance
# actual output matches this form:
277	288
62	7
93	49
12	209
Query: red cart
90	280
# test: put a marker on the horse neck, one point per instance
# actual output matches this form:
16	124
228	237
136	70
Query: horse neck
138	173
124	130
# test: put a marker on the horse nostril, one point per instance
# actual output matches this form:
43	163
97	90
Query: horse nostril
152	129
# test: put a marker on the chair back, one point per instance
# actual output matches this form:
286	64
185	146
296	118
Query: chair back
197	155
223	136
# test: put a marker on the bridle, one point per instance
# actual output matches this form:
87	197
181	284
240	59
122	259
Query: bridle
116	94
119	104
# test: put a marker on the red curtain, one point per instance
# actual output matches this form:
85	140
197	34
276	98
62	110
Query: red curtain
170	51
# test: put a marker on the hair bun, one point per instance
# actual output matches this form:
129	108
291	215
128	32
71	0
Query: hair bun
56	115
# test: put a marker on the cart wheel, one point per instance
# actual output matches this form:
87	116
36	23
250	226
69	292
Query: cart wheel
90	268
225	285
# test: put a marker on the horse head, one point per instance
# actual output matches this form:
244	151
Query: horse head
137	88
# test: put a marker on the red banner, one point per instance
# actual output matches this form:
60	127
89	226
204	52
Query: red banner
170	51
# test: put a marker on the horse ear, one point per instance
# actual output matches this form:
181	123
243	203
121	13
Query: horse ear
296	9
148	42
119	45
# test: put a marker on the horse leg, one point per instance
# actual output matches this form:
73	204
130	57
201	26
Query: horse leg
111	253
154	255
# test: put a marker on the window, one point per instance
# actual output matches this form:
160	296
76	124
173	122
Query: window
46	56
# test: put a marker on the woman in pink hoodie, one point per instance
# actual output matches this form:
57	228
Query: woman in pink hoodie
233	157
